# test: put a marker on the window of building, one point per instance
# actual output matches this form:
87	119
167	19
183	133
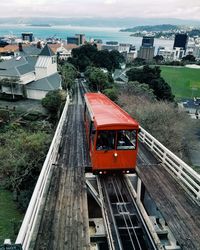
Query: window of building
53	59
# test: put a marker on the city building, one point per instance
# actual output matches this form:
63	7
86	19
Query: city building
166	53
146	53
175	54
111	45
96	41
27	36
8	51
178	54
36	74
124	47
147	49
181	41
131	56
3	43
81	38
196	52
147	41
78	39
73	40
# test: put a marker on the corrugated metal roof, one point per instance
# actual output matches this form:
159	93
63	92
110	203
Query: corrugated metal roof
48	83
18	66
46	51
31	50
106	112
42	61
14	62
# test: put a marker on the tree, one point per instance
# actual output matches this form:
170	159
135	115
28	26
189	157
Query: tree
163	120
21	158
88	55
158	58
116	59
102	59
139	89
161	89
98	80
69	74
139	62
111	93
53	102
151	76
189	58
83	56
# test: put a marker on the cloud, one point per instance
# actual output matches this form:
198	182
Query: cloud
102	8
110	2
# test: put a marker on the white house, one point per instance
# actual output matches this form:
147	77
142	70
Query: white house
63	51
36	74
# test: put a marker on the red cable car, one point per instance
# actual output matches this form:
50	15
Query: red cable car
112	135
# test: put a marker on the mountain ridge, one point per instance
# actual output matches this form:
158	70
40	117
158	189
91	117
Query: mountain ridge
97	21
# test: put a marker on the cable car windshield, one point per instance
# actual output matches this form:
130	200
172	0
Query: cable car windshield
106	140
112	139
126	139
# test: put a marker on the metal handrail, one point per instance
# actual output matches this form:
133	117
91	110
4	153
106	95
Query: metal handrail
188	177
28	224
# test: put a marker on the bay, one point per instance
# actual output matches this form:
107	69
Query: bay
62	32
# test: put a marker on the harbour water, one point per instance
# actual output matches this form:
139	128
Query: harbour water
62	32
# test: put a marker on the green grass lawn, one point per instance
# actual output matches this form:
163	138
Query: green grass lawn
10	217
185	82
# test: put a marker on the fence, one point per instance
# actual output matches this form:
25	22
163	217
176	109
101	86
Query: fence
189	178
28	225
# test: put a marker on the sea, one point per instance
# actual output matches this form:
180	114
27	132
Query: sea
62	32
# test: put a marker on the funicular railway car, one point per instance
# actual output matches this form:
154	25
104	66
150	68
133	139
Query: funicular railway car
112	135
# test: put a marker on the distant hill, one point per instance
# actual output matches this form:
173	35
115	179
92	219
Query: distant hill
98	21
152	28
194	32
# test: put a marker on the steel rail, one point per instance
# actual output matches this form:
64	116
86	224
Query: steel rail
125	182
125	221
128	215
105	216
118	241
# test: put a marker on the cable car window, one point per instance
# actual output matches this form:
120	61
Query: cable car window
106	140
93	132
126	139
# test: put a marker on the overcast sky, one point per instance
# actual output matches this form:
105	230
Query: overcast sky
184	9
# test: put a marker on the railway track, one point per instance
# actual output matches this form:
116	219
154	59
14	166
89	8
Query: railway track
63	224
64	220
127	228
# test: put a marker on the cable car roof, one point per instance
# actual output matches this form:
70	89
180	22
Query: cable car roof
104	112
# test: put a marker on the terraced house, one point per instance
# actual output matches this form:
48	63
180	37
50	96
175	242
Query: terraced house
31	74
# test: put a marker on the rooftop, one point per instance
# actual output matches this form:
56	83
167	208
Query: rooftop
51	82
46	51
105	112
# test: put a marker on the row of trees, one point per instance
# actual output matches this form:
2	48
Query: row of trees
162	119
88	55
